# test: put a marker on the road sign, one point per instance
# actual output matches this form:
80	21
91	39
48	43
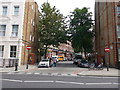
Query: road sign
107	49
28	47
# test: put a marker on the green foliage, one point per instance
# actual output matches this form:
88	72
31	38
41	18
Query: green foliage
52	27
80	25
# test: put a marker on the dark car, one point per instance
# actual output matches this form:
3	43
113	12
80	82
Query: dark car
77	59
83	63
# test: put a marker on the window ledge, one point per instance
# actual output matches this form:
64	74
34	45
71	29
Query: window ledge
15	15
2	36
13	57
14	37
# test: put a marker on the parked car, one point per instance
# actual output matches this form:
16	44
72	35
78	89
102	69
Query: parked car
65	59
83	63
77	59
69	59
44	63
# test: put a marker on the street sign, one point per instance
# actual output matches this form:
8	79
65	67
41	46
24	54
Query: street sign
28	47
107	50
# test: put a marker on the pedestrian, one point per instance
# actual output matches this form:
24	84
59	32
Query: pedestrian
51	62
54	62
95	64
16	66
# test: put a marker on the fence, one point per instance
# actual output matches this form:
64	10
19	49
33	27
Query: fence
8	62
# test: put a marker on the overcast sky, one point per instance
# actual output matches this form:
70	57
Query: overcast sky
67	6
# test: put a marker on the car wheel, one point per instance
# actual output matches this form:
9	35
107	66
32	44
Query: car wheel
38	66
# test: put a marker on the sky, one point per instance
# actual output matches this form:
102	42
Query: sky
67	6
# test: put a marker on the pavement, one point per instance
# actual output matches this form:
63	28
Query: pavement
111	73
20	68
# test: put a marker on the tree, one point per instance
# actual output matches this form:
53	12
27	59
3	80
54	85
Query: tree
52	27
80	25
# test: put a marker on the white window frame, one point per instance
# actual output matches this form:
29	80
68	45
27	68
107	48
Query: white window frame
118	54
32	7
4	12
1	50
118	31
16	11
15	31
2	31
13	53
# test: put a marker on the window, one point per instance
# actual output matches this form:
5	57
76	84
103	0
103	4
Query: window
14	30
4	11
2	30
118	10
32	7
16	10
1	50
13	50
118	31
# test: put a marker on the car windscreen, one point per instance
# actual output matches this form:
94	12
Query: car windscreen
78	57
84	61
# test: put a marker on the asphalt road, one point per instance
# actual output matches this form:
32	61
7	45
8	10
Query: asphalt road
42	81
65	67
33	78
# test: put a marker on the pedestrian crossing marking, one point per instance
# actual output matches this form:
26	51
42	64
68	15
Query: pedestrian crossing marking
55	74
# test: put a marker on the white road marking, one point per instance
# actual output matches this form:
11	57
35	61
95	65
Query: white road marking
117	83
10	73
69	82
28	73
109	77
97	77
39	81
44	74
37	73
96	83
12	80
74	75
20	73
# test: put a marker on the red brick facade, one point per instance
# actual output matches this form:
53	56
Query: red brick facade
106	21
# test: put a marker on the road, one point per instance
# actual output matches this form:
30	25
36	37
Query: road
62	76
42	81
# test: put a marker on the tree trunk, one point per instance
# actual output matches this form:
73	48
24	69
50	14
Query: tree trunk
45	51
85	54
40	55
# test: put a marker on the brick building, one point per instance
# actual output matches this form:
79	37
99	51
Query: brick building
107	31
30	28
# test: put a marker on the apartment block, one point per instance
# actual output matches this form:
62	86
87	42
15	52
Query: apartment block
107	28
30	27
18	29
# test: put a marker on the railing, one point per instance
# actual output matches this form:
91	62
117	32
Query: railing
8	62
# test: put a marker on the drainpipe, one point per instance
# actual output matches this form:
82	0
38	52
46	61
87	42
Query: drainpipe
26	29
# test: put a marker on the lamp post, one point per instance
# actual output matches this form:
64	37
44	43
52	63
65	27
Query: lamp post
107	50
28	48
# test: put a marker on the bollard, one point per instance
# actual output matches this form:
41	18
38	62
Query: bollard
27	66
16	66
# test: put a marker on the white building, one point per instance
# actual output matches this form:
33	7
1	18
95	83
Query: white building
11	29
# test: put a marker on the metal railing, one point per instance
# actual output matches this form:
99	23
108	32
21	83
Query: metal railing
8	62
